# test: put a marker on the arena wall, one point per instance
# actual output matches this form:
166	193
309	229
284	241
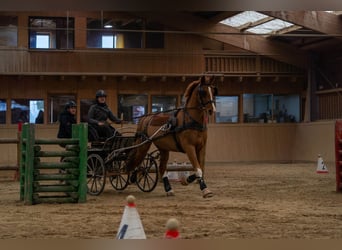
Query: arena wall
300	142
289	142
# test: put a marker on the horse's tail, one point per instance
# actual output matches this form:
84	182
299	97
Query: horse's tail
131	160
137	154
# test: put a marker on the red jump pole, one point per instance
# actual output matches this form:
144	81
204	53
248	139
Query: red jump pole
338	154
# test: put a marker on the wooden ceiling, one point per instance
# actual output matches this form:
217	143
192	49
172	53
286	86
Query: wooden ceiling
319	33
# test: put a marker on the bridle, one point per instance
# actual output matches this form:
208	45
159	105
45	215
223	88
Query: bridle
202	93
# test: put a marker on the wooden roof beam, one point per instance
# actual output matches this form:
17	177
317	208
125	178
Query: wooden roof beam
223	33
287	29
256	23
320	21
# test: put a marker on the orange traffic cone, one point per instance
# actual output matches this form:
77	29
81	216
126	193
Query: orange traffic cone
130	226
172	226
321	167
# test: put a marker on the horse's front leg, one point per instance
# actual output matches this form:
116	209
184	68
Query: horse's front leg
201	156
164	157
197	159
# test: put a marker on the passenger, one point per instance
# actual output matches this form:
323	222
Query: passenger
66	119
98	116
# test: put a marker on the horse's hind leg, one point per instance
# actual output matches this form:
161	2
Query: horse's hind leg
164	157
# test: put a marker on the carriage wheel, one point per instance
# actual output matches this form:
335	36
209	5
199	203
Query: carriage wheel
147	174
118	175
96	174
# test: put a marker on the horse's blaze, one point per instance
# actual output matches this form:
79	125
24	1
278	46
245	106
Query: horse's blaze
211	99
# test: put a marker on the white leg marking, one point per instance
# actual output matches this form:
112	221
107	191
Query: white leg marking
199	173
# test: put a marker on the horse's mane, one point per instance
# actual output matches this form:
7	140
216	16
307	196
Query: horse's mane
191	87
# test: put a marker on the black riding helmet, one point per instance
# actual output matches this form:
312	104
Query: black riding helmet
101	93
70	104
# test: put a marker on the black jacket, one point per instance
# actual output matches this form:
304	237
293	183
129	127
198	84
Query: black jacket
100	113
65	124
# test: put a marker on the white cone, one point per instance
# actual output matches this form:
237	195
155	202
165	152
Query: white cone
130	226
321	167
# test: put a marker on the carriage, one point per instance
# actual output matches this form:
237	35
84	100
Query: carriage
108	159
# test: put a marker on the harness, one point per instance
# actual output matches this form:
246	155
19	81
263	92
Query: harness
172	127
193	124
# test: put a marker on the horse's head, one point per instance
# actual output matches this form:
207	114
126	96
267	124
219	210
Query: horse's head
206	92
202	93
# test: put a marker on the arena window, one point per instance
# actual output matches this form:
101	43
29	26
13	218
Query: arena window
27	110
42	41
269	108
57	104
123	33
51	33
3	109
163	103
108	41
131	107
9	31
227	109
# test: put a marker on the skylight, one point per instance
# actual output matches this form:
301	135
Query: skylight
255	22
243	18
270	27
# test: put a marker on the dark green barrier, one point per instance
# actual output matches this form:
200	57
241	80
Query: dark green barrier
40	181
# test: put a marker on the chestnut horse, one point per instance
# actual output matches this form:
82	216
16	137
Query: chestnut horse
185	130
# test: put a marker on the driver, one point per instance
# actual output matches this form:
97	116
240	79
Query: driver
98	116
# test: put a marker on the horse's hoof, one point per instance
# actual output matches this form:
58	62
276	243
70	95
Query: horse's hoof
183	181
170	193
207	193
